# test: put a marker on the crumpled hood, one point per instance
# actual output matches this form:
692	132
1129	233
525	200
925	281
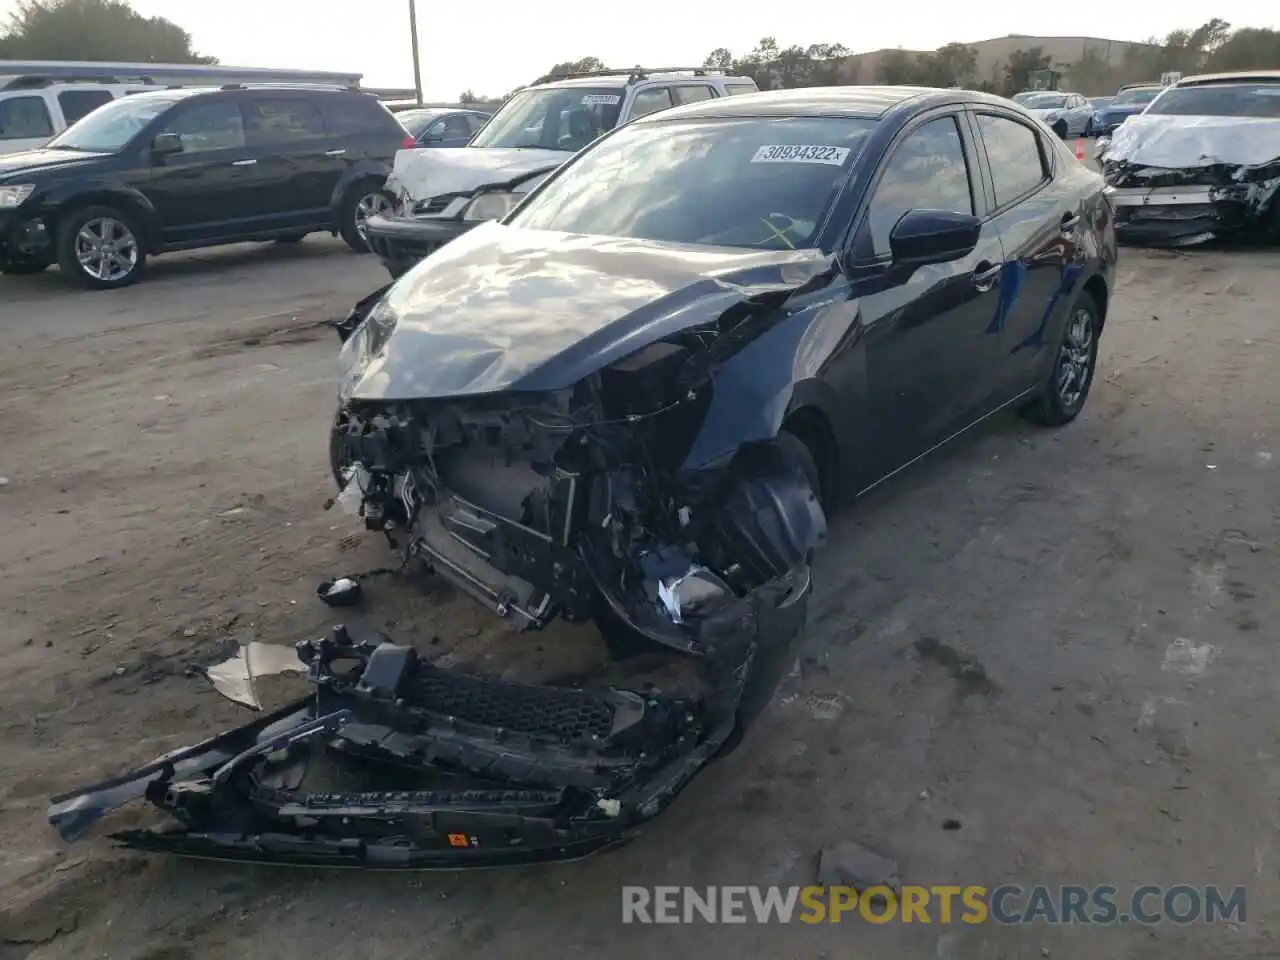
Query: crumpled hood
502	308
425	173
16	163
1177	142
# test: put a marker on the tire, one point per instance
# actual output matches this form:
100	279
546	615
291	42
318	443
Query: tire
1088	128
27	268
1060	400
362	200
1060	128
105	223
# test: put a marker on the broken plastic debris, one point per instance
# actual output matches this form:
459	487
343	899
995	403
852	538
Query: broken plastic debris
343	592
351	499
691	593
234	678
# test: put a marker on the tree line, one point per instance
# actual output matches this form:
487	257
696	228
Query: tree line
1210	48
96	30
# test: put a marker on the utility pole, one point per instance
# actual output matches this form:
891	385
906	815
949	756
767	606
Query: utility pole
413	35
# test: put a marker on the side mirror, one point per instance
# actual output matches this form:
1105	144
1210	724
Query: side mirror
166	144
933	236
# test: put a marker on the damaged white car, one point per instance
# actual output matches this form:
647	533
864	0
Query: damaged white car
1201	162
444	192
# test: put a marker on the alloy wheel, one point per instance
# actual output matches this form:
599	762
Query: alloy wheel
106	249
1075	358
370	205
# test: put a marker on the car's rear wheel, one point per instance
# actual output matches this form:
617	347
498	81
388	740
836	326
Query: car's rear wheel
1060	128
364	200
100	248
1088	127
1066	389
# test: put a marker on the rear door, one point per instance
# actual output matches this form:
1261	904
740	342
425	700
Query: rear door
649	100
928	336
299	163
1039	219
210	190
76	103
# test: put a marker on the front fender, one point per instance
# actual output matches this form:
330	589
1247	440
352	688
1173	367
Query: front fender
64	196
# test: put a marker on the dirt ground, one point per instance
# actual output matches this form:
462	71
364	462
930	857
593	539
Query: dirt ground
163	449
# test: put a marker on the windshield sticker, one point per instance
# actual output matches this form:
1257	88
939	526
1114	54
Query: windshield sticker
778	153
610	99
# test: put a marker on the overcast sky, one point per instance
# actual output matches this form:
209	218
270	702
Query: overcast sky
490	46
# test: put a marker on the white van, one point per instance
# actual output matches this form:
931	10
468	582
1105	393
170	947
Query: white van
31	116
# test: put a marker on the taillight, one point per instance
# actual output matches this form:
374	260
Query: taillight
409	143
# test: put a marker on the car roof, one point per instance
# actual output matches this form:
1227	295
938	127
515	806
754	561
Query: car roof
1246	76
620	79
865	102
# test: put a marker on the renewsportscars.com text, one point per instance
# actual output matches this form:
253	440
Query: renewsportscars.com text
1009	904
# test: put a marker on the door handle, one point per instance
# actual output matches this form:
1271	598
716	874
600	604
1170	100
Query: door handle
341	151
243	163
1070	221
985	275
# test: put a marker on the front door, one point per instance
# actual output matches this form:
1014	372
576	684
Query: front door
208	191
929	338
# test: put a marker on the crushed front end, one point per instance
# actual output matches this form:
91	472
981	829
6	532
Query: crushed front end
1183	180
396	764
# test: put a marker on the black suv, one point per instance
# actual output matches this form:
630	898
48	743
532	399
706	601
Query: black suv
178	169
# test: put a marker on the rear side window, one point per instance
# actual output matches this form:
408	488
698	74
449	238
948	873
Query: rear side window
926	171
282	120
456	127
651	101
476	120
734	89
78	103
24	118
357	114
1017	162
692	93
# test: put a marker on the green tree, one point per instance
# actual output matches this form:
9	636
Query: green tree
1247	49
1021	65
95	30
896	67
585	65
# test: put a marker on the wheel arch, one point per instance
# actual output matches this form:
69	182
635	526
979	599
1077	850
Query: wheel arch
810	425
126	201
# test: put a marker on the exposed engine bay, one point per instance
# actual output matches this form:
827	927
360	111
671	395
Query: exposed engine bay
572	504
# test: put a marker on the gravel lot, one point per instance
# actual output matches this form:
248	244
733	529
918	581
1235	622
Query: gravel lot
164	449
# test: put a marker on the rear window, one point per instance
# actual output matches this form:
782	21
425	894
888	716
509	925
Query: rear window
1132	97
78	103
763	183
1220	100
358	114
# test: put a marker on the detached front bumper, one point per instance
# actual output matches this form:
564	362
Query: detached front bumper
400	242
1170	216
397	764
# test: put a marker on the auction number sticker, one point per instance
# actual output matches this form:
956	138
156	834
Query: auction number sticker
781	153
609	99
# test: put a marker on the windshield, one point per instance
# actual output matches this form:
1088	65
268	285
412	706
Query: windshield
1045	101
553	118
1132	97
114	124
1220	100
760	182
416	121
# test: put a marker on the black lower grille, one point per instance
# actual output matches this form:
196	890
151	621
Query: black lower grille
571	715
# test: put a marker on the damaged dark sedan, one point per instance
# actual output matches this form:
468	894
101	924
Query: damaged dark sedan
1201	162
634	401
